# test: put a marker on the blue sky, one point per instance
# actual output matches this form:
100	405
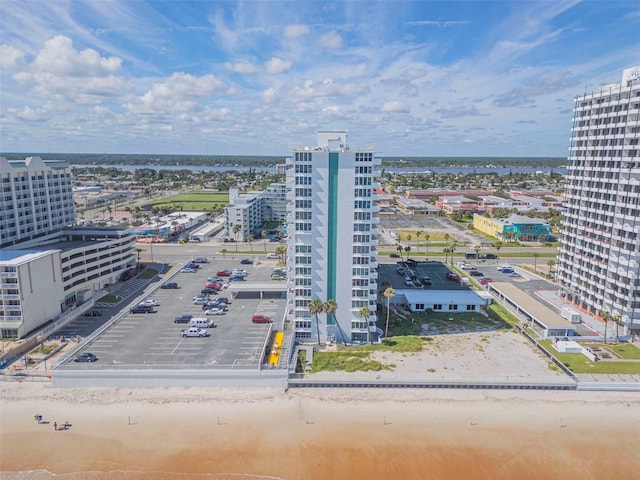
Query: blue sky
416	78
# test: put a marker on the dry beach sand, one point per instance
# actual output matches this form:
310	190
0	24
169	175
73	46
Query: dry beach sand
317	434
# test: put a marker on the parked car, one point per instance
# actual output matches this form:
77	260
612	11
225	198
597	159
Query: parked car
188	270
276	276
194	240
223	273
239	271
484	281
149	303
273	256
261	319
236	277
214	285
401	270
208	291
200	260
214	311
453	277
200	300
408	283
476	273
215	279
86	357
194	332
183	319
142	309
93	313
394	255
171	285
246	261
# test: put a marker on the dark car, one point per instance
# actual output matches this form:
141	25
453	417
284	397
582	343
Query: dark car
142	309
183	319
195	266
223	273
86	357
490	256
261	319
246	261
476	273
394	255
208	291
93	313
169	285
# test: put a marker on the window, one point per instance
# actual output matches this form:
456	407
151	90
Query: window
303	324
303	248
471	308
303	192
419	306
303	204
303	168
453	307
303	180
437	306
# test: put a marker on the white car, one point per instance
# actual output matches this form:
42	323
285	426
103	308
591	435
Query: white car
239	271
214	311
200	301
188	270
195	332
149	303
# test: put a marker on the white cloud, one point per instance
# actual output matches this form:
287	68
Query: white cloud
10	57
330	40
296	30
60	58
395	106
269	95
277	65
179	93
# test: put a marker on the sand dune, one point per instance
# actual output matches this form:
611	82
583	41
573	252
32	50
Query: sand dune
319	434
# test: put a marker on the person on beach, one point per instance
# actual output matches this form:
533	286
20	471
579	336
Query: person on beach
55	425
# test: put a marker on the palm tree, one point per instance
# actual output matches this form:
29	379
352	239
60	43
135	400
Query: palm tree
224	252
498	245
400	249
617	319
263	234
409	237
366	313
452	249
606	316
315	307
419	233
550	264
330	307
426	239
282	251
445	250
477	250
236	230
251	237
388	294
138	252
535	256
407	249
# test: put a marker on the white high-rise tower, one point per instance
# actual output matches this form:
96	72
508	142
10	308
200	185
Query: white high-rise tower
332	239
599	261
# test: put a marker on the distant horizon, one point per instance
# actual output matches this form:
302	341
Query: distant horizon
460	79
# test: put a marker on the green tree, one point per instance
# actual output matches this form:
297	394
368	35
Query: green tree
606	316
400	250
329	307
224	252
251	237
281	250
426	239
237	228
366	313
263	235
316	307
617	319
388	294
535	256
419	233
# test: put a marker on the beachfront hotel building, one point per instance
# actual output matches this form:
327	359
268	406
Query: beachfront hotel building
599	261
49	267
332	239
37	199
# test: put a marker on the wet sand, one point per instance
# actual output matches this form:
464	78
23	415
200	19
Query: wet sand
319	434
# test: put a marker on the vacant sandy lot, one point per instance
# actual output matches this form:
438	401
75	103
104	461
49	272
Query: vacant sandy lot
476	356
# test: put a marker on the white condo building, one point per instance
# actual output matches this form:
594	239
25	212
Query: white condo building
332	227
37	199
250	210
599	260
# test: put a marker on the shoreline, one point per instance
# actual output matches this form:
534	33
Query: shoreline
319	433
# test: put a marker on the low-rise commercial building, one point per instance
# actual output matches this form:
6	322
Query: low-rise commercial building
518	228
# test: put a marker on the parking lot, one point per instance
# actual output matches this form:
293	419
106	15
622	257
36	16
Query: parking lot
153	339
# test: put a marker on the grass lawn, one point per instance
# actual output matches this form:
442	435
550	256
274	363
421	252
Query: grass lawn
434	237
195	201
628	351
357	359
148	274
111	298
578	363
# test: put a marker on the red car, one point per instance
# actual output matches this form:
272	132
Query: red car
261	319
224	273
453	276
484	281
213	285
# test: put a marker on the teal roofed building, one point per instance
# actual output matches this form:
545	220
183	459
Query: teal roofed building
520	228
